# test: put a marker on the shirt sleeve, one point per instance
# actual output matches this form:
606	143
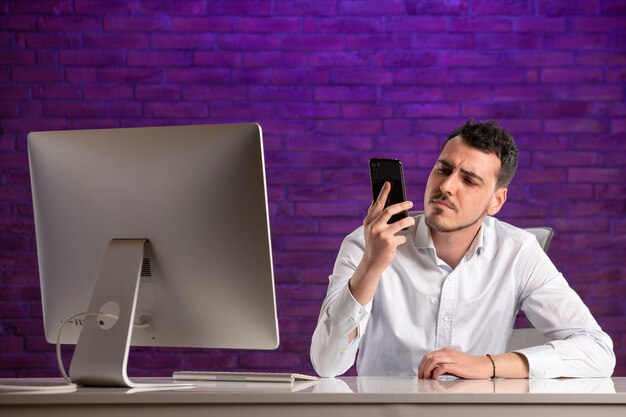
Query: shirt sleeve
331	353
578	347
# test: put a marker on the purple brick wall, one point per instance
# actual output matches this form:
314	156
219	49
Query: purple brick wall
333	83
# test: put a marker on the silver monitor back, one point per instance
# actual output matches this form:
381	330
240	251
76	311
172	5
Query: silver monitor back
197	193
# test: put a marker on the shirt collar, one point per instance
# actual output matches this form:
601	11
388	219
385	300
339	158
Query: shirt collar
424	240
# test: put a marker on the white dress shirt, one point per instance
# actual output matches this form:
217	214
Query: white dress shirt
422	305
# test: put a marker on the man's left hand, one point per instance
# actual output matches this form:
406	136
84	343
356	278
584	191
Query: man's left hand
452	362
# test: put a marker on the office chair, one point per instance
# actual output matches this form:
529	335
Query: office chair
528	337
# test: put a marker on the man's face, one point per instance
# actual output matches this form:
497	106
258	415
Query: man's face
461	188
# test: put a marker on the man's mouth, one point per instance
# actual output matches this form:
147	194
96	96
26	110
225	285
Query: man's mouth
443	202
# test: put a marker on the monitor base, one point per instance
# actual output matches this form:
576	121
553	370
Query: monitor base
101	354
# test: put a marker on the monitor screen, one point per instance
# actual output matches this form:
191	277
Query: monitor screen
195	199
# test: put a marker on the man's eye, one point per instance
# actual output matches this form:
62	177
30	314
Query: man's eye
469	181
443	171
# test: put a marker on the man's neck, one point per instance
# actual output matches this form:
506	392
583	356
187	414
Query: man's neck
451	247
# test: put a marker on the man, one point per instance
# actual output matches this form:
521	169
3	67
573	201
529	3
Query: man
441	296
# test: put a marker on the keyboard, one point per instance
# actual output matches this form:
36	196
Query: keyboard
241	376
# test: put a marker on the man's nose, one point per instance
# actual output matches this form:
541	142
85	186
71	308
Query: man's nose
449	184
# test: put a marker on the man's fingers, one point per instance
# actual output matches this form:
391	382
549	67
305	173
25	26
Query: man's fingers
395	209
401	224
384	193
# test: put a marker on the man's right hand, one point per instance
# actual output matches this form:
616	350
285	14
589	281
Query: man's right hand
381	243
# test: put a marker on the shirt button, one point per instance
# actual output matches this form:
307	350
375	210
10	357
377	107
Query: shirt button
446	318
342	351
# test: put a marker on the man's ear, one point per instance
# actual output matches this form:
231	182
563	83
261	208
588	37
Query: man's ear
497	201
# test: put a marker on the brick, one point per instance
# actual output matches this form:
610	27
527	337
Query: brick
255	76
214	92
18	57
241	111
268	25
577	125
268	360
156	23
74	109
409	59
480	25
345	93
496	111
197	76
108	92
428	110
460	93
339	59
509	41
367	8
168	109
366	110
571	76
305	8
292	227
350	25
130	75
540	24
316	243
576	41
361	77
179	7
506	7
559	109
572	7
523	93
91	58
548	192
412	94
37	74
435	7
565	158
313	43
416	24
183	24
378	42
597	24
618	126
597	175
247	42
281	93
49	40
308	110
159	59
68	23
539	58
217	59
610	192
275	59
115	41
299	77
497	76
591	92
182	41
97	7
468	59
597	58
18	22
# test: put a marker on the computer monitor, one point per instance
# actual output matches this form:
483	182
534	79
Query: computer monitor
163	226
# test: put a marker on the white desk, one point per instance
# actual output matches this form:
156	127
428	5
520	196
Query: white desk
363	397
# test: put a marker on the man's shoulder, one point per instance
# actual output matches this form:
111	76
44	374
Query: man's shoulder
505	233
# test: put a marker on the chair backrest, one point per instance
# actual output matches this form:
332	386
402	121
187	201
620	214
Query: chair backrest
543	235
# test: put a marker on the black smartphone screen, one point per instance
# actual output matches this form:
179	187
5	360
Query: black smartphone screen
388	170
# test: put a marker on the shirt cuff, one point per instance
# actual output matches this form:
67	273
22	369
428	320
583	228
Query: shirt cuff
543	361
346	313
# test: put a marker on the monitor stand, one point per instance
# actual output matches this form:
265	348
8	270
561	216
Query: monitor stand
101	354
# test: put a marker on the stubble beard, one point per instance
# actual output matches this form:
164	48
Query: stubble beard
433	222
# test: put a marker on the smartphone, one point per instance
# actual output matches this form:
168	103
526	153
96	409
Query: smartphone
389	170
